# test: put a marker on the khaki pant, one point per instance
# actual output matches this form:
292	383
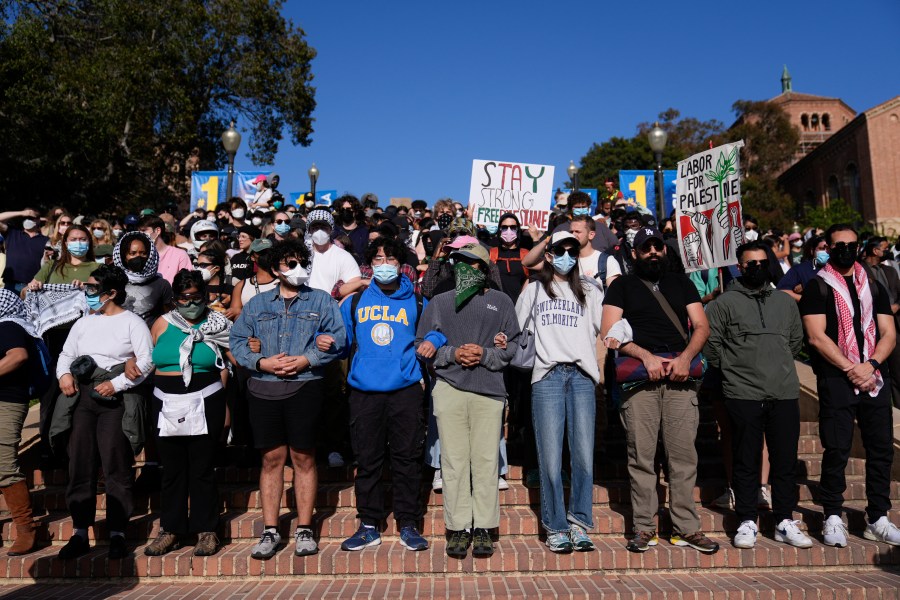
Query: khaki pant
12	417
469	426
670	408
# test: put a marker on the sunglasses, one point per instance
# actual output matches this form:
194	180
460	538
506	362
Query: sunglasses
508	228
762	264
188	298
560	250
291	265
282	221
652	245
64	223
91	289
851	246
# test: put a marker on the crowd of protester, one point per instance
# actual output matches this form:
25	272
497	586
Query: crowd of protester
362	334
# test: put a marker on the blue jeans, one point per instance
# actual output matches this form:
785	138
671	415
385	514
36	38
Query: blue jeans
564	402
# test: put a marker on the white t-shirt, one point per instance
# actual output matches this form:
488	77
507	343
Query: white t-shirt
613	268
331	266
587	265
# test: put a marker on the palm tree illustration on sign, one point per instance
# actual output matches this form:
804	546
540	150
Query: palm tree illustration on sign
724	168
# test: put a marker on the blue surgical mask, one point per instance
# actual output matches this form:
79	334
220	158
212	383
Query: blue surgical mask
821	257
581	211
94	302
385	273
282	229
491	229
563	264
77	249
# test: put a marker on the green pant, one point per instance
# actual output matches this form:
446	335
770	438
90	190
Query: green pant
12	417
469	426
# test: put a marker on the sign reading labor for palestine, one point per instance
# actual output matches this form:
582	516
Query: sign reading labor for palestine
507	187
708	208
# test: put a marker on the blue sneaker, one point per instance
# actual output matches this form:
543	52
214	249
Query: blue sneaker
411	539
363	538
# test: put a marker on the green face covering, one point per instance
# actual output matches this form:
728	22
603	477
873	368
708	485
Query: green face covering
469	281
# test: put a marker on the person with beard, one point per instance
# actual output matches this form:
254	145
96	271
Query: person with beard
755	335
148	294
850	328
658	304
286	390
878	257
353	223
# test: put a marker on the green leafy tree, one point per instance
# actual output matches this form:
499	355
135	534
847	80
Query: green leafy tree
104	101
837	211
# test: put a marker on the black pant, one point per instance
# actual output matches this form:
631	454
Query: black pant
188	475
838	406
97	440
779	422
518	388
396	419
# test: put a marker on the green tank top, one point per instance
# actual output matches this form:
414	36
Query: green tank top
165	354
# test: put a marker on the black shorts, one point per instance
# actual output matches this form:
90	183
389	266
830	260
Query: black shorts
293	421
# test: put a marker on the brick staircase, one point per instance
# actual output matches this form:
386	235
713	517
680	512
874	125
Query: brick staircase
521	566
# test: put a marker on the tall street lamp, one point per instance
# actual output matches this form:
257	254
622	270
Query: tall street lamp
573	175
657	139
313	177
231	140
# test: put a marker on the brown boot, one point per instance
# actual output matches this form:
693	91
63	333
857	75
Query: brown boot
19	502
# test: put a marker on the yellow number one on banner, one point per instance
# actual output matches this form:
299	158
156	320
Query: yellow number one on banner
211	188
639	187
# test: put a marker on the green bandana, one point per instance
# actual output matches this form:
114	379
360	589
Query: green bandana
469	281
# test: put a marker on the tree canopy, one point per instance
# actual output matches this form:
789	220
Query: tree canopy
104	101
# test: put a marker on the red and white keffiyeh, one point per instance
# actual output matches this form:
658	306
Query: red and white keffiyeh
844	307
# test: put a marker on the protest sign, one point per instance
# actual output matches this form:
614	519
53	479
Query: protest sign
208	187
708	208
323	197
500	187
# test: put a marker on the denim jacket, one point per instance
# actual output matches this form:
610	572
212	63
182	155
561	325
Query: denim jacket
292	332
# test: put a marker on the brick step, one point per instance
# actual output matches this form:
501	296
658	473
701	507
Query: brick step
792	584
514	520
513	555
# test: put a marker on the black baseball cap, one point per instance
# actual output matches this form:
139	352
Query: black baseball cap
647	233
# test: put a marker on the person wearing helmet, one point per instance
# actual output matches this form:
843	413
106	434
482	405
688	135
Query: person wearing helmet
202	232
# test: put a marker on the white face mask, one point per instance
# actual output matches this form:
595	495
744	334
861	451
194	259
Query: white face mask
320	237
751	235
28	224
256	221
206	274
296	276
238	213
259	187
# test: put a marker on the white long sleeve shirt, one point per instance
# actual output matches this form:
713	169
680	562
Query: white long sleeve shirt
109	340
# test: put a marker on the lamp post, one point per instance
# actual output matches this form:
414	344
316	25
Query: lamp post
231	141
313	177
573	175
657	139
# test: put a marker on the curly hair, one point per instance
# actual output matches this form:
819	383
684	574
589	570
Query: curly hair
290	248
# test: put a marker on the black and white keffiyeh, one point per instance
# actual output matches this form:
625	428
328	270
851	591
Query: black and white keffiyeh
55	304
13	309
214	333
150	269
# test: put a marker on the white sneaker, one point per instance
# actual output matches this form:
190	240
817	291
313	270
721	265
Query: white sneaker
789	531
502	484
883	530
437	484
746	535
834	532
726	500
764	499
335	460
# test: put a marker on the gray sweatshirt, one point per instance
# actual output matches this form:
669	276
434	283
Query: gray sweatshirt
480	319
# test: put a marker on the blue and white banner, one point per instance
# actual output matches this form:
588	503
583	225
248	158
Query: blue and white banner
640	187
323	197
208	187
589	192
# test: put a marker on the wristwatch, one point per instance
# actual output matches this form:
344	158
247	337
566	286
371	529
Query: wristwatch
874	363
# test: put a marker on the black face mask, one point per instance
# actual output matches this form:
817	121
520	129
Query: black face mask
136	264
444	220
347	216
843	258
650	269
754	277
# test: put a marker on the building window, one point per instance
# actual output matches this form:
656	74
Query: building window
834	189
804	121
826	122
814	122
851	183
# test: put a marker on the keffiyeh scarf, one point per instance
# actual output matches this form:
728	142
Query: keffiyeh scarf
844	307
55	304
214	333
12	309
150	269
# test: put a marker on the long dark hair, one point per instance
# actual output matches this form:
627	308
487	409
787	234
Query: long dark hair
65	259
573	278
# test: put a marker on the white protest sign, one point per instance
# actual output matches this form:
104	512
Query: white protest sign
500	187
708	208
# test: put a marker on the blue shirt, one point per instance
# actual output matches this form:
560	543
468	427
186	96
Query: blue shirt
292	331
798	274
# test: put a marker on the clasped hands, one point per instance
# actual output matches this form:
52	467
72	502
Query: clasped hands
862	376
675	369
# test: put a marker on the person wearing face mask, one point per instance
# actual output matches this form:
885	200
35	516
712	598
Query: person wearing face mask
661	307
815	256
507	253
99	409
565	315
24	247
755	335
579	204
238	212
850	327
352	223
751	229
148	294
102	232
58	230
285	390
76	260
241	266
386	396
190	350
330	264
201	232
171	258
877	257
619	259
263	194
281	227
211	264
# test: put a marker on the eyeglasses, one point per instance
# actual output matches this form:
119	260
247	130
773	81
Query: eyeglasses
508	228
381	260
188	298
762	264
282	221
652	245
850	246
64	223
560	250
91	289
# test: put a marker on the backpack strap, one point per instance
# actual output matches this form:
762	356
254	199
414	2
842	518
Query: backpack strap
667	308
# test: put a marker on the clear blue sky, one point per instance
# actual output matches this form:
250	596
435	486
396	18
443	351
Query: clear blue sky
410	92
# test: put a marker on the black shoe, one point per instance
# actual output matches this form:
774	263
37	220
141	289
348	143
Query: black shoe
117	548
458	544
77	546
482	545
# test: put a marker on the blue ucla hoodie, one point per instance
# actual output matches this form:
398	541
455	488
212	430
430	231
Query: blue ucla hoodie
385	332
